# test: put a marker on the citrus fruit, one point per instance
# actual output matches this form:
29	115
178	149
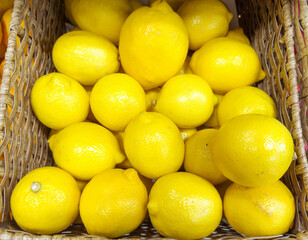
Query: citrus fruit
187	132
45	201
151	98
185	68
184	206
116	99
238	34
153	44
175	4
205	20
153	145
102	17
90	116
85	56
113	203
187	100
120	137
5	5
58	100
260	211
245	100
252	150
213	120
85	149
198	157
226	63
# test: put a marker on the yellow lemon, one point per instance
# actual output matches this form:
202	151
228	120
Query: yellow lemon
153	145
184	206
151	98
102	17
205	20
213	120
85	56
260	211
226	63
125	164
116	99
252	150
45	201
58	100
153	44
245	100
238	34
187	100
187	132
113	203
198	157
175	4
68	11
85	149
5	5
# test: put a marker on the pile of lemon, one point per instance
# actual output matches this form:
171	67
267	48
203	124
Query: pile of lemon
156	94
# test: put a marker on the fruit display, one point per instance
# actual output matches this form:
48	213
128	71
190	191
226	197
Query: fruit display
154	115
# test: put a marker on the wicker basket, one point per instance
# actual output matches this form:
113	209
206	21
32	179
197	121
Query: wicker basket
278	31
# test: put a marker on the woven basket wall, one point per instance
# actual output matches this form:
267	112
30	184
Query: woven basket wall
278	30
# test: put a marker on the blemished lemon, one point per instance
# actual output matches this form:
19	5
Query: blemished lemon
187	100
102	17
116	99
113	203
153	44
198	157
260	211
151	98
58	100
245	100
184	206
238	34
85	149
153	145
227	63
120	137
187	132
205	20
85	56
213	120
175	4
252	150
45	201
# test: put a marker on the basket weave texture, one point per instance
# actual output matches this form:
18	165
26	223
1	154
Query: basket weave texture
278	30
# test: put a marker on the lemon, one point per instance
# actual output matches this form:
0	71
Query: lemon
58	100
113	203
90	116
85	56
226	63
260	211
153	145
120	137
205	20
252	150
245	100
175	4
151	98
45	201
5	5
102	17
185	68
184	206
116	99
213	120
68	11
198	157
85	149
238	34
187	100
153	44
187	132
